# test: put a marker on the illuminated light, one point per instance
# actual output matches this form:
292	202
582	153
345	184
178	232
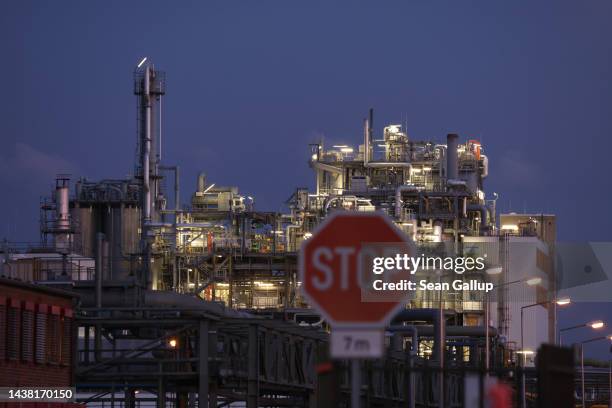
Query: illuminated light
533	281
525	352
136	392
314	157
510	227
209	187
597	324
191	285
609	336
347	150
264	284
426	168
142	62
563	301
222	285
173	343
416	170
494	270
339	146
307	235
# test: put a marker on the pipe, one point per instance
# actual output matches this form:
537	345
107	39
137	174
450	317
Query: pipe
398	198
442	160
414	351
177	200
485	166
452	168
326	167
427	315
366	143
387	164
371	125
201	181
147	149
484	214
99	268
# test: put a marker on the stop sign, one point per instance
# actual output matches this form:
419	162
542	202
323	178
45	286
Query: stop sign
330	268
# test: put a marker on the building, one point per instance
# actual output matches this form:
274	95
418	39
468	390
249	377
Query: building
37	335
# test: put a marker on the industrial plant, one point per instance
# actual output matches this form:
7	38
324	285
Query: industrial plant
200	304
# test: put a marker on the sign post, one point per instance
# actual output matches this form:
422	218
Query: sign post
335	272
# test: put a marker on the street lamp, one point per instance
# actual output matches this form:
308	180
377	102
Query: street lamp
595	324
524	353
558	302
531	281
582	343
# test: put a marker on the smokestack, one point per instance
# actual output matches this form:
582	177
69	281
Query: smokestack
201	182
452	167
371	125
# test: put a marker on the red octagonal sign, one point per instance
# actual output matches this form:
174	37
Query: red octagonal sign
331	270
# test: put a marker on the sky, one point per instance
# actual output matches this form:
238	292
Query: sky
250	84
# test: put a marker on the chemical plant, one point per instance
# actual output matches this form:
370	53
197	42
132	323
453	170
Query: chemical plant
200	304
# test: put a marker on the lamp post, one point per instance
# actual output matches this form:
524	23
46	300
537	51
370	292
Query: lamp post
582	343
524	353
595	324
496	271
559	302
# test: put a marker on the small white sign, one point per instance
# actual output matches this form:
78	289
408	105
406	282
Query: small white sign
357	343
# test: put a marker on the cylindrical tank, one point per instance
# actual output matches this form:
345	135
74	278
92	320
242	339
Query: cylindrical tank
452	166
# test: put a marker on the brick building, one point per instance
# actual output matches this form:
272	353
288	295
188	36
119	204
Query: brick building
37	335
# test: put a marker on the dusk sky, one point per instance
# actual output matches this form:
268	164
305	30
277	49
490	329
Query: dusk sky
250	84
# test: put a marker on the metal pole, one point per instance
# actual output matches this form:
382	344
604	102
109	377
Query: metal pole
203	374
99	268
522	344
582	371
355	384
523	383
487	318
610	384
253	372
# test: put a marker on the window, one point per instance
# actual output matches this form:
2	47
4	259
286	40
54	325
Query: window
54	337
27	332
41	334
2	328
12	338
66	337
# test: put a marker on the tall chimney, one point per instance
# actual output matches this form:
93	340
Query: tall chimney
452	168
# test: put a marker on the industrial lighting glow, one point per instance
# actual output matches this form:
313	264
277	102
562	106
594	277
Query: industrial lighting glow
494	270
209	187
340	146
346	150
314	157
172	343
563	301
533	281
264	284
597	324
426	168
510	227
307	235
142	62
525	352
